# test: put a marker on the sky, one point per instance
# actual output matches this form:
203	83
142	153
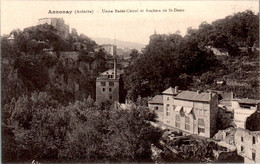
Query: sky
131	26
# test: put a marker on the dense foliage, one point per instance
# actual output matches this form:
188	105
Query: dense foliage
36	61
190	62
38	127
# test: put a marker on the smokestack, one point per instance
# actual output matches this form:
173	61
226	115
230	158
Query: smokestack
115	69
176	89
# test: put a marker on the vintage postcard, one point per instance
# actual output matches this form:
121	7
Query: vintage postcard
130	81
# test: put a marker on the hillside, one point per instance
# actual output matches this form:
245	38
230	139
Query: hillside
173	60
39	59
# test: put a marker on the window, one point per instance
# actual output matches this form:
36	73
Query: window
111	84
187	119
110	97
168	122
187	126
253	140
253	156
156	108
177	117
201	122
177	120
177	124
104	89
167	110
168	98
201	112
110	89
103	83
242	148
187	123
201	130
242	139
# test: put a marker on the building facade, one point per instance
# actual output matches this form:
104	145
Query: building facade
168	105
156	105
246	113
248	145
109	49
107	86
58	24
191	112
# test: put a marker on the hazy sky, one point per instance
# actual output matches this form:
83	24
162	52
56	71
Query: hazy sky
135	27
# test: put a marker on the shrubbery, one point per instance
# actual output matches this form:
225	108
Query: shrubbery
37	127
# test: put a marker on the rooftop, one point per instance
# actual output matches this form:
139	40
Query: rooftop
195	96
249	101
158	99
109	74
119	72
171	91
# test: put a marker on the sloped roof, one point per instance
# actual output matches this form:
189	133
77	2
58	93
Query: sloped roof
119	72
249	101
194	96
171	91
158	99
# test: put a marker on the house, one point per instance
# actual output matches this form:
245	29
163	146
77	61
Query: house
191	112
108	86
109	49
246	113
156	105
248	145
58	24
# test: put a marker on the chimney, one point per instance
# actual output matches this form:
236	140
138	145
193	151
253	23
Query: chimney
176	89
232	95
210	95
115	69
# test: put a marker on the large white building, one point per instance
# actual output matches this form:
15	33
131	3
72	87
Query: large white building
191	112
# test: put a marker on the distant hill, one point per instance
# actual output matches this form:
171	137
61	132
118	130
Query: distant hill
119	44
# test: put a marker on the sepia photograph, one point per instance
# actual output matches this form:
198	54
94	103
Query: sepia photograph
130	81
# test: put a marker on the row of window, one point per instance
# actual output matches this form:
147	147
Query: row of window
109	83
187	120
201	123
